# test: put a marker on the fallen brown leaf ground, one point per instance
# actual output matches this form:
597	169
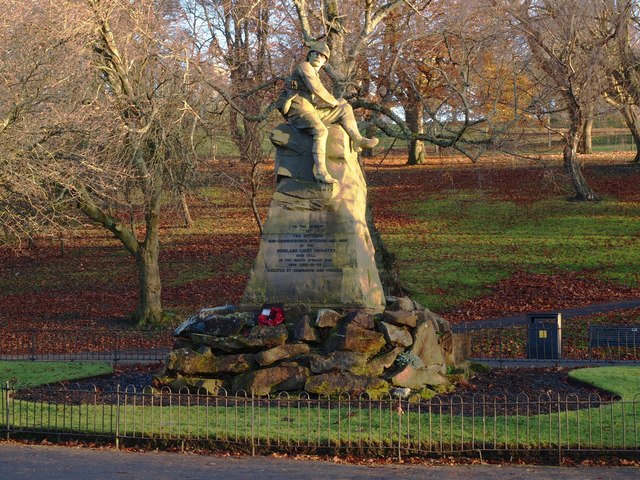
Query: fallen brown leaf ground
93	285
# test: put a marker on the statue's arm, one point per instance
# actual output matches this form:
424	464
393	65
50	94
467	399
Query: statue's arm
314	84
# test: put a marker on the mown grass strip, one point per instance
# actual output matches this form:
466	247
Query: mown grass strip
428	427
466	241
416	425
21	374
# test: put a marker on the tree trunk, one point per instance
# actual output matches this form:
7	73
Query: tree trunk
586	140
415	122
416	152
631	117
572	140
582	188
149	308
186	214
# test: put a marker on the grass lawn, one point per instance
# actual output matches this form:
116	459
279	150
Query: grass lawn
29	373
622	380
465	241
424	426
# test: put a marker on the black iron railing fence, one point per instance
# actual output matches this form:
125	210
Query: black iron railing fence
498	343
114	345
386	426
578	343
305	423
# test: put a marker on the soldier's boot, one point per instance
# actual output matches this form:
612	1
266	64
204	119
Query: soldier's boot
364	142
320	171
359	142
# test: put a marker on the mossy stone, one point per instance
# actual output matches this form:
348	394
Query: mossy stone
338	383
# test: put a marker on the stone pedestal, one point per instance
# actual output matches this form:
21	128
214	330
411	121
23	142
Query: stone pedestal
315	248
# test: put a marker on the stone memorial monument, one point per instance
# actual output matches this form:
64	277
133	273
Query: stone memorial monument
316	258
315	248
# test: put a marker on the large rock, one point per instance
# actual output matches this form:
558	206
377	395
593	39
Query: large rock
232	363
354	362
188	362
281	352
296	381
211	386
378	364
302	330
360	318
440	324
220	310
426	346
215	324
327	318
264	336
267	380
401	303
295	311
395	335
225	344
417	378
343	361
335	383
401	317
446	346
260	337
351	337
459	350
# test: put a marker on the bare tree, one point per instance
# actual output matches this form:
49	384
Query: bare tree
234	38
455	73
586	140
569	41
623	90
116	136
397	77
32	64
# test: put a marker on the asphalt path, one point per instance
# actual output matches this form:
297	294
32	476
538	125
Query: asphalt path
594	309
34	462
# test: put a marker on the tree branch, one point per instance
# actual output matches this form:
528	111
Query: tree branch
95	213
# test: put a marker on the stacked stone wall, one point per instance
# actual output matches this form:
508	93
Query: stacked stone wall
321	352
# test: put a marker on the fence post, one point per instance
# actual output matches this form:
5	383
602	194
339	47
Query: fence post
115	348
118	417
559	433
7	417
32	346
400	412
253	424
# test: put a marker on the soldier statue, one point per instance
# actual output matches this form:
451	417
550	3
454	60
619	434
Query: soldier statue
307	105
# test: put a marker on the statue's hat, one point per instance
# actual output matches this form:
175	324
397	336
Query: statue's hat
320	47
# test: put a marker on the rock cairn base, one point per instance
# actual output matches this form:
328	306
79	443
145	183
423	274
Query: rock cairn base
406	348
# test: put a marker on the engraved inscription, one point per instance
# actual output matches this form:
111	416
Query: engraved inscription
309	251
